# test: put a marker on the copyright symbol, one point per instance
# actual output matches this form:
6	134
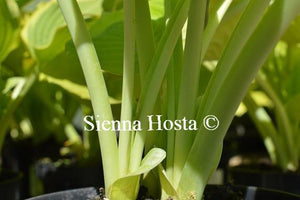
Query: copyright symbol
210	122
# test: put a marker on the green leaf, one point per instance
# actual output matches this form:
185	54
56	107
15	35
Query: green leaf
22	2
225	29
233	87
76	89
293	108
153	158
126	188
10	98
45	32
107	33
58	72
109	47
291	36
8	31
10	90
11	83
292	80
205	75
157	9
112	5
106	20
166	185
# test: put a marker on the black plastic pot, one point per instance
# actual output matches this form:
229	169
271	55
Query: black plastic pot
267	178
68	177
89	193
211	193
10	185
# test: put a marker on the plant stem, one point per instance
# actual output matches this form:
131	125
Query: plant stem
128	84
241	34
173	74
171	115
144	36
155	76
232	90
282	115
96	85
272	140
189	82
213	23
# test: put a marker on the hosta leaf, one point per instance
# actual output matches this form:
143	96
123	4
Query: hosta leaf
293	108
109	46
107	33
156	8
166	186
76	89
22	2
104	22
65	71
10	98
153	158
292	36
112	5
8	30
45	33
232	86
10	90
225	29
11	83
261	99
126	188
293	82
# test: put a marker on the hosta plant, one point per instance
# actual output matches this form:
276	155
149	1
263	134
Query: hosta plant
163	74
278	123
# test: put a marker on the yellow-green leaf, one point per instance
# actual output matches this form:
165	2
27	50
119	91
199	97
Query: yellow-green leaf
45	32
126	188
8	29
167	188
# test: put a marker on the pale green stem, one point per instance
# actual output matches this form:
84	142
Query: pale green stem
213	22
144	37
96	85
189	82
272	140
283	117
238	39
232	89
173	74
171	114
155	76
128	84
